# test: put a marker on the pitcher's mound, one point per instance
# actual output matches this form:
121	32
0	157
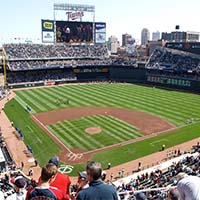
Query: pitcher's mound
93	130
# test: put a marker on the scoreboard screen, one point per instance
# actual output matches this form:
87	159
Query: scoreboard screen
74	32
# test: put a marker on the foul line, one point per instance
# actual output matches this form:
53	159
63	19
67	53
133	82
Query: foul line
56	138
129	141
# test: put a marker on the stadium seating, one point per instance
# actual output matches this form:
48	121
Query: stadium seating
174	61
153	183
38	56
156	183
40	51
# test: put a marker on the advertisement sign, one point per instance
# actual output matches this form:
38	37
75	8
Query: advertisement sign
100	32
47	31
47	25
75	15
130	46
100	38
100	27
47	37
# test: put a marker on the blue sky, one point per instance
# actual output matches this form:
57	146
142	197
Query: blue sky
22	18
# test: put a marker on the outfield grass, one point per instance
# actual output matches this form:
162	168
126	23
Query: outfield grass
176	107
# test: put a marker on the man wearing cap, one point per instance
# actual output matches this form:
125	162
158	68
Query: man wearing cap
61	181
188	186
19	184
97	189
82	183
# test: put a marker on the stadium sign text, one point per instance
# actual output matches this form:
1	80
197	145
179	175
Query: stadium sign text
75	15
48	25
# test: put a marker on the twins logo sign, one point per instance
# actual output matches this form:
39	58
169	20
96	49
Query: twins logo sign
66	169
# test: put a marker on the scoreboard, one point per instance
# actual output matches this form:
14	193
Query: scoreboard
74	32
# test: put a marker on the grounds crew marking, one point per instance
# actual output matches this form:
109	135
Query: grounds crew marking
66	169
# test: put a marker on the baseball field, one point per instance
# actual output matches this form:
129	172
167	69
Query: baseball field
105	122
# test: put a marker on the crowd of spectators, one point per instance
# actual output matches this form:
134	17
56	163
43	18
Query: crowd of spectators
3	92
38	56
156	184
42	76
55	63
124	61
172	60
148	184
63	50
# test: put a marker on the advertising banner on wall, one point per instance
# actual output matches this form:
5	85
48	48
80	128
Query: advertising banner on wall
100	27
100	38
47	31
47	37
100	32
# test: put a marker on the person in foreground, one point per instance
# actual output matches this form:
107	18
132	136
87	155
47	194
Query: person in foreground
188	186
61	181
19	184
97	189
44	190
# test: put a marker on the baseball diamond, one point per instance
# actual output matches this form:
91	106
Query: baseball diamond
130	117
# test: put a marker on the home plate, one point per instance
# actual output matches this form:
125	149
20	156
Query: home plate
31	160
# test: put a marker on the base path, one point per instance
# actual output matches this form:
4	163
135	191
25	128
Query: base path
146	123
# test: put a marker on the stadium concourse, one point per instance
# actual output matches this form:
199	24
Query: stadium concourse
19	152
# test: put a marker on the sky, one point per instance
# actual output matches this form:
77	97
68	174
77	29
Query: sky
22	18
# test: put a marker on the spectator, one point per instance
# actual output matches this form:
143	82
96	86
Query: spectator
97	189
19	184
188	186
173	194
140	196
61	181
81	184
44	190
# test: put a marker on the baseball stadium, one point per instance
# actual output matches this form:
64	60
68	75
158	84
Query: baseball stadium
69	97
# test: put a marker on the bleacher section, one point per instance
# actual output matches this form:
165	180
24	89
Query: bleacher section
174	61
39	56
156	181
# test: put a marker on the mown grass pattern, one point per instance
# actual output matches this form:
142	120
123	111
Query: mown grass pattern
176	107
73	134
